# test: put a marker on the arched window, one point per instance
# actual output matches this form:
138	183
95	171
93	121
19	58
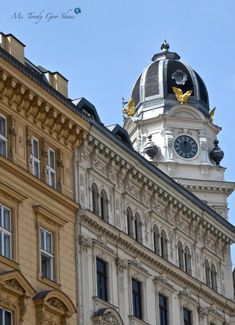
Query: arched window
129	217
163	240
187	260
207	273
156	238
137	228
95	198
104	205
181	255
213	277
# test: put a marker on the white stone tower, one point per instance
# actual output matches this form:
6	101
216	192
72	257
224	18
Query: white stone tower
172	127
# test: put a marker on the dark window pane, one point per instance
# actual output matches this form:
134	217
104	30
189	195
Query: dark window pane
6	219
1	246
7	246
136	297
2	126
3	147
101	269
7	318
163	312
35	148
187	316
46	266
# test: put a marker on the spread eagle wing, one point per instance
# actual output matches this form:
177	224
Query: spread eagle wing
212	114
178	93
186	96
130	110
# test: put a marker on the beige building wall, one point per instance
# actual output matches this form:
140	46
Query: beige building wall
38	134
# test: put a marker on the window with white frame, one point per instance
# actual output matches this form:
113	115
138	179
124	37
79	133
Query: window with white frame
5	317
3	136
47	256
35	157
51	169
5	232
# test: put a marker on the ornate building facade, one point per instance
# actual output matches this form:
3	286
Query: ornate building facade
149	250
39	129
92	229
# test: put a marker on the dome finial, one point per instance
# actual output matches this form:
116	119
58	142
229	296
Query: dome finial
165	46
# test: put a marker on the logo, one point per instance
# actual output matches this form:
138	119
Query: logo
77	10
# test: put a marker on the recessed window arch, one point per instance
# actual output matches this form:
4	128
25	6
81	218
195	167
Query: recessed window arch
137	228
129	217
181	255
187	260
156	239
104	205
164	249
213	277
207	273
95	198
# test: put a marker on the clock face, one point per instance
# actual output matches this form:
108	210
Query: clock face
185	146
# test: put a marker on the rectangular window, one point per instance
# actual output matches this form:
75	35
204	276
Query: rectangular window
3	136
47	257
5	232
187	316
102	279
51	170
5	317
163	312
35	157
137	299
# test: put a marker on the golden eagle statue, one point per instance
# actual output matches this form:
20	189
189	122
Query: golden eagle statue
130	110
212	114
182	98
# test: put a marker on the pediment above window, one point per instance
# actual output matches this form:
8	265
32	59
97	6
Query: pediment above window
107	316
54	305
15	283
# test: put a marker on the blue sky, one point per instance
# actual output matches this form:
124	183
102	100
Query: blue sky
104	49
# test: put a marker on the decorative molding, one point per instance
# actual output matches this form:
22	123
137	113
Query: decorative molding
150	258
85	242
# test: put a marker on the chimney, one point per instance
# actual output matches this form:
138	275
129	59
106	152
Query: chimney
57	81
13	46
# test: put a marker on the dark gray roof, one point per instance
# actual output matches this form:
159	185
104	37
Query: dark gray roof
159	78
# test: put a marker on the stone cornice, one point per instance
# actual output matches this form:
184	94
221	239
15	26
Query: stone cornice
152	260
163	186
223	187
64	126
35	77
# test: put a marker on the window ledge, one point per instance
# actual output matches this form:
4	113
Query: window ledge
10	263
99	303
136	321
48	282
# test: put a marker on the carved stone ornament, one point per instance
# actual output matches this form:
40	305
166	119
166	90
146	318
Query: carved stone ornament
57	304
107	316
14	285
180	77
121	264
85	242
202	312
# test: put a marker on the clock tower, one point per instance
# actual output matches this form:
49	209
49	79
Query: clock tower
172	126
